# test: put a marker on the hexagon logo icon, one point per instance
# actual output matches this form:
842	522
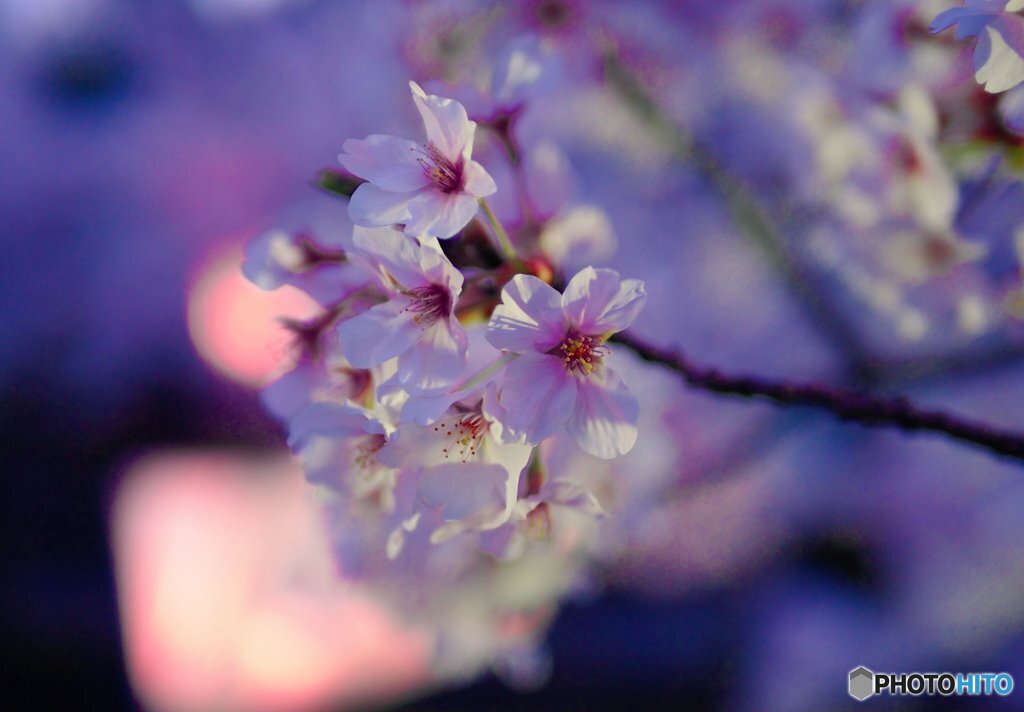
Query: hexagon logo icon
862	683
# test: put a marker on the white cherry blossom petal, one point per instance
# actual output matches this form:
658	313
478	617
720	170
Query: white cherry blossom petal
388	162
373	206
529	317
438	359
329	437
513	458
436	266
378	334
539	396
447	125
478	182
999	56
440	214
603	421
597	301
397	253
328	420
463	490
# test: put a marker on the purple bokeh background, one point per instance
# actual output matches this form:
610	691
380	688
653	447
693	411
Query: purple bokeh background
139	137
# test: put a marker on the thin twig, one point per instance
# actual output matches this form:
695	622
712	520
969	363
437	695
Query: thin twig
499	231
847	405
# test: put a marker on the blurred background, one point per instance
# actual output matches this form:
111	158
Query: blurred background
818	191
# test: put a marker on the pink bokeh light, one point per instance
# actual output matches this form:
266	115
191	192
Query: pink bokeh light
229	596
234	325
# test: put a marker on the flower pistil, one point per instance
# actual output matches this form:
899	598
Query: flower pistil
580	353
442	171
431	303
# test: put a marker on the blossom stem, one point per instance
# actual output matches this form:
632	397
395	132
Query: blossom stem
846	404
485	373
499	231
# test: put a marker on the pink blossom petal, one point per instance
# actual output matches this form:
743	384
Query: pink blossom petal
478	181
603	422
493	410
999	56
372	206
463	490
447	125
539	395
596	301
378	334
322	434
437	359
570	494
513	459
439	270
400	255
441	214
328	420
529	317
969	22
425	409
414	447
289	394
386	161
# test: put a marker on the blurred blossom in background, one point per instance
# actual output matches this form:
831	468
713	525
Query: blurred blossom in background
810	189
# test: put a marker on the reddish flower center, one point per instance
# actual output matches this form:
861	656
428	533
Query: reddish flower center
430	303
447	176
364	454
581	353
462	432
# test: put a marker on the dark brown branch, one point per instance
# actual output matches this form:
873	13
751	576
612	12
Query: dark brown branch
846	404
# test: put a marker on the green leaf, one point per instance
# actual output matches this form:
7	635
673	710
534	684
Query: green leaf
338	183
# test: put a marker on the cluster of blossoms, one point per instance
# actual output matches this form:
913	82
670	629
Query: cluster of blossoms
458	397
891	177
443	374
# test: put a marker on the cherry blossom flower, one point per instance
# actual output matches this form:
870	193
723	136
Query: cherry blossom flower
560	379
311	381
417	324
999	54
463	469
278	258
430	188
338	446
531	518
